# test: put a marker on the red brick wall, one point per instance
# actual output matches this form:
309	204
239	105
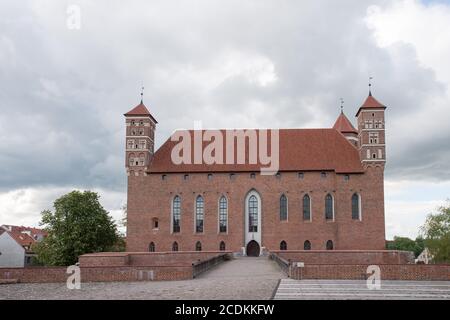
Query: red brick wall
151	197
358	272
185	258
35	274
348	256
107	260
97	274
118	266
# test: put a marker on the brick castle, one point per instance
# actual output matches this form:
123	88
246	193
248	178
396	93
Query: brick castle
328	193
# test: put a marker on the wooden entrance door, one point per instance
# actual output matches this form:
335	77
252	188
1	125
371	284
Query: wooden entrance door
253	249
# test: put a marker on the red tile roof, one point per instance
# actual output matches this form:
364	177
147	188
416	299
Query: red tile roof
22	238
31	230
140	110
371	102
300	150
344	125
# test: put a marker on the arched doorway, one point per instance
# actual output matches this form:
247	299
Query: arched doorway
253	249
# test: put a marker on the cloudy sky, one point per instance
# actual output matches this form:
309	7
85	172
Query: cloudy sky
253	63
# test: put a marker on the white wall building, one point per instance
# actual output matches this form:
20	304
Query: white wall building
12	254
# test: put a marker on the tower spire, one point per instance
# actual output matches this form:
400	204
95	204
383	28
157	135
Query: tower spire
142	94
370	86
342	105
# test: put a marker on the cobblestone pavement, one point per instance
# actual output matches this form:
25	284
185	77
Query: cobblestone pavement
357	290
241	278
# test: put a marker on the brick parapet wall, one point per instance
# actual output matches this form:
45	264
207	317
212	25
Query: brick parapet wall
185	258
97	274
347	256
359	272
391	267
120	266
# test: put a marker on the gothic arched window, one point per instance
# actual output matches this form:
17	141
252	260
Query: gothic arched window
152	247
283	245
283	208
253	214
176	214
131	159
329	210
356	207
198	246
329	245
199	214
223	214
307	245
222	246
306	207
175	246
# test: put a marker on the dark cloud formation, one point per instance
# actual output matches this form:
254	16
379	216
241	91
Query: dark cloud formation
226	63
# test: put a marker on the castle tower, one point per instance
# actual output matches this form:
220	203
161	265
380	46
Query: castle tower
371	128
344	126
140	139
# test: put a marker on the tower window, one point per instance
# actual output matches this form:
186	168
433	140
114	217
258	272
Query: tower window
198	246
186	177
346	177
323	174
133	132
133	122
283	208
252	175
278	175
130	144
155	223
301	175
283	245
373	137
164	177
222	246
306	207
175	246
210	176
141	132
152	247
329	210
232	176
374	156
141	123
131	160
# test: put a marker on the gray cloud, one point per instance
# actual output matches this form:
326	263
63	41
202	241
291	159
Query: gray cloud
229	64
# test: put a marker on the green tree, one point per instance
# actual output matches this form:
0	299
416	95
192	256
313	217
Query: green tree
407	244
436	231
78	225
